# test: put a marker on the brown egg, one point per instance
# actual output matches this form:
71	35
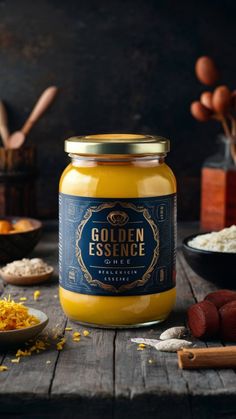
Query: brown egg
200	112
5	227
23	225
206	70
206	99
221	99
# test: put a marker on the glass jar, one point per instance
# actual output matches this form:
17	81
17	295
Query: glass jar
223	159
117	218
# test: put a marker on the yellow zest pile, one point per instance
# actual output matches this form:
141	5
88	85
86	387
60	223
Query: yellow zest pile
15	316
3	368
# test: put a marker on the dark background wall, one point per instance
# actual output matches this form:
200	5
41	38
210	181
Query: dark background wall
121	66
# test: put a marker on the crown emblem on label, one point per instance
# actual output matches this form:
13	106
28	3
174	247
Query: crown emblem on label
118	218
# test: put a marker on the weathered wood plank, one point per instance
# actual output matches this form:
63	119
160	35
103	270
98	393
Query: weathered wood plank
34	371
150	386
224	387
88	363
85	370
200	288
103	375
198	381
60	408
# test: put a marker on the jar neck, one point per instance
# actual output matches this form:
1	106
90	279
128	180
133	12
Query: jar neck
113	160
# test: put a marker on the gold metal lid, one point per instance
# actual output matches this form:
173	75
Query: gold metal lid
117	144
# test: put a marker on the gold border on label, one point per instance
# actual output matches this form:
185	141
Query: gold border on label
146	276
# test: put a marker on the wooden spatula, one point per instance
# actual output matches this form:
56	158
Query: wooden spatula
17	139
4	131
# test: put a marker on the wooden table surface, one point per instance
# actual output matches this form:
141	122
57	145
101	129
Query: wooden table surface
103	375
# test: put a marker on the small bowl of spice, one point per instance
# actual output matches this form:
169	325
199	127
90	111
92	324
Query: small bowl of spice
18	237
19	323
213	255
26	272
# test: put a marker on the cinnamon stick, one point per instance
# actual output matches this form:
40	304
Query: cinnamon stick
218	357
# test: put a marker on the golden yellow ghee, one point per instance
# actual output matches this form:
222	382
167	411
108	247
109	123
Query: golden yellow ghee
117	231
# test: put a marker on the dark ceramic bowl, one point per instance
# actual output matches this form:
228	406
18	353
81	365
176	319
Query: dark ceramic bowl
217	267
19	245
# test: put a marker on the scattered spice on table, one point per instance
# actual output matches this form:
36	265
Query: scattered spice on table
45	342
76	336
61	343
39	345
141	347
23	353
37	294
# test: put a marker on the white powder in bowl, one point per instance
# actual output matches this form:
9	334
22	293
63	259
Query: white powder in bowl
27	267
221	241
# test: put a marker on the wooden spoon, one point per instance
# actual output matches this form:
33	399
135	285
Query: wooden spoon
17	139
4	132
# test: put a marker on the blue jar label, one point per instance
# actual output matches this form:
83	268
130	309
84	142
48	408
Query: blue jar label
117	246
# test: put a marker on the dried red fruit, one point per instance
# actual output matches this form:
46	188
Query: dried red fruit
200	112
206	70
221	99
221	297
206	100
228	321
203	319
